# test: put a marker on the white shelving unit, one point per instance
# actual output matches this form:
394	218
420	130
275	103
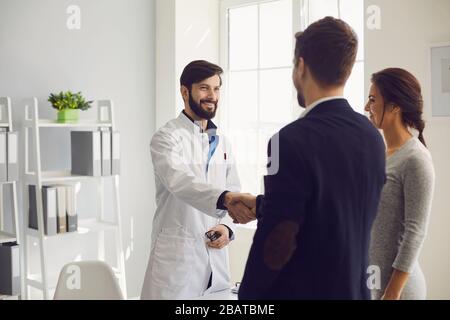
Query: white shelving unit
97	225
5	109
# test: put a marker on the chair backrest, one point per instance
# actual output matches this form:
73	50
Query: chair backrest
87	280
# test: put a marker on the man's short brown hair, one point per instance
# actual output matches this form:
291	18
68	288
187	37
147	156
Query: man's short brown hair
199	70
329	48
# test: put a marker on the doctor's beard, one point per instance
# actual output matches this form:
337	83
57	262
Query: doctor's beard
199	111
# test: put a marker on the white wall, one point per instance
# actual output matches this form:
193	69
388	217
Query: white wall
111	57
165	61
185	31
197	35
408	27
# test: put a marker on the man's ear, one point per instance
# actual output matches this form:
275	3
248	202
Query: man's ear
184	93
300	67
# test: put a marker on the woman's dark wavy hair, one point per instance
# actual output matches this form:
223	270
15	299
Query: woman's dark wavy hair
399	87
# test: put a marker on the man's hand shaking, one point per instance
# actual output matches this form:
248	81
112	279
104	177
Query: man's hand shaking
241	207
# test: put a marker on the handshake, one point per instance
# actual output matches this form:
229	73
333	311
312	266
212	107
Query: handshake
241	207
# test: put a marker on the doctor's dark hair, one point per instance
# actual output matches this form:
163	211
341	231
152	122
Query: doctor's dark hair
328	47
197	71
399	87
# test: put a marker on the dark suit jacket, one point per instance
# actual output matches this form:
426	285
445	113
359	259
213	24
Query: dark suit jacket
315	218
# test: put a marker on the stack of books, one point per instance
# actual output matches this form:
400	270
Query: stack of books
95	153
59	208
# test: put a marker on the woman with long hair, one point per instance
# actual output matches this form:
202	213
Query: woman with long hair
395	106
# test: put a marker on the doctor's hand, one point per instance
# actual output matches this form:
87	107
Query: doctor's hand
241	207
224	238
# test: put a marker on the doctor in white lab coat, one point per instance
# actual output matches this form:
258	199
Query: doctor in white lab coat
194	170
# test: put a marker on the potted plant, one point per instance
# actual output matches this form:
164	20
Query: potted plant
68	105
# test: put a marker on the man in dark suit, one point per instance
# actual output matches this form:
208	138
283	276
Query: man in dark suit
325	174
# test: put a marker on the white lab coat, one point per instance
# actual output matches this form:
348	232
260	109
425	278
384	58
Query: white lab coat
180	262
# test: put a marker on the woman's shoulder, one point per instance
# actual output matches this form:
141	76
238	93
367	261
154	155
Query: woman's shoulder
417	159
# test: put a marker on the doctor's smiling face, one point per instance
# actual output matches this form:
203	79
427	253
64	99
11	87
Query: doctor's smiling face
200	88
203	97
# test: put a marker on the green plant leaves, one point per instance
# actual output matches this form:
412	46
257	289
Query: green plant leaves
69	100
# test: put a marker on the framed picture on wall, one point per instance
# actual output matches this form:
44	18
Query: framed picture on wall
440	79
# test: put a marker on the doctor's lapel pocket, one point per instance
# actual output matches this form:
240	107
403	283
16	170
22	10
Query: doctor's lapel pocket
173	261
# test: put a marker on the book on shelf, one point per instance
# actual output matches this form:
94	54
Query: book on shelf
115	153
72	218
9	167
9	269
12	162
86	153
3	156
106	153
61	213
49	208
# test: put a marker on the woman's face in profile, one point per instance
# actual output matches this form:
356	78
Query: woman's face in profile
375	107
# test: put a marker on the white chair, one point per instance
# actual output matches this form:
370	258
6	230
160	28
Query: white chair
87	280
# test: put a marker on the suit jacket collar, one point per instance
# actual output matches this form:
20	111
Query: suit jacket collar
331	105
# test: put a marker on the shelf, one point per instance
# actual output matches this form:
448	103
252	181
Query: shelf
4	125
7	237
58	176
49	123
85	226
3	297
35	281
89	227
93	225
6	182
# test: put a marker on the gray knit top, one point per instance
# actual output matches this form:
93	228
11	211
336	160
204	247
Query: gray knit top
400	227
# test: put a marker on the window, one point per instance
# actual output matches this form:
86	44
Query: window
258	97
352	12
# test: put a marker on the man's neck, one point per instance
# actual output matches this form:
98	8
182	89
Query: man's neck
203	122
315	93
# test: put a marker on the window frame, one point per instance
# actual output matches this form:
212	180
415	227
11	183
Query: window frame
224	121
226	5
